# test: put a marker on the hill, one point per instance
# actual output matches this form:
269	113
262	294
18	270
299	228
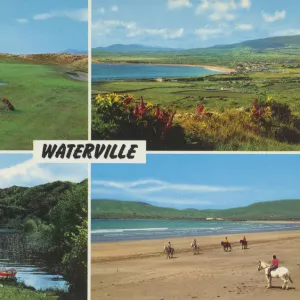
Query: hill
266	43
270	210
20	203
131	48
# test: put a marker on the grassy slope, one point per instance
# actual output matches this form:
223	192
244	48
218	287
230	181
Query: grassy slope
49	105
20	293
278	210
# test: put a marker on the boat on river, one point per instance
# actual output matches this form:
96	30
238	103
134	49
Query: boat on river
8	273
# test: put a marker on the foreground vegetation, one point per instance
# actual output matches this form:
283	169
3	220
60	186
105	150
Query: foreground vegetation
18	292
263	125
271	210
54	219
49	105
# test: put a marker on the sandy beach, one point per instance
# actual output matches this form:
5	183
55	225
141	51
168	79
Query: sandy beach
139	269
211	68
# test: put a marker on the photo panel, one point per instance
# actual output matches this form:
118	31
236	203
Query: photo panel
196	227
43	229
43	72
196	75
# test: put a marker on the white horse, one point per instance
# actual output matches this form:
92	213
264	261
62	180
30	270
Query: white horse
282	273
196	248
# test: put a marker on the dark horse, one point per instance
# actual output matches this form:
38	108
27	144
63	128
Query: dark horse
244	244
226	246
169	251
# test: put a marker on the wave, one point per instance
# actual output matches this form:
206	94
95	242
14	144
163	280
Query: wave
124	230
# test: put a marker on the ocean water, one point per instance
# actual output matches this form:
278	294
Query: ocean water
125	230
140	71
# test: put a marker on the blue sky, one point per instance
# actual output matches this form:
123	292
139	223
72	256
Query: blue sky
43	26
191	23
200	181
22	170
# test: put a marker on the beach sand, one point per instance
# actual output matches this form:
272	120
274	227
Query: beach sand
139	270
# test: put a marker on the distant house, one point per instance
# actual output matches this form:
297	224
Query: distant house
211	89
209	219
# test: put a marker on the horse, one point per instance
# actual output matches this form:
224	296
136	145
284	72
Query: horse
226	246
244	244
282	273
169	251
196	248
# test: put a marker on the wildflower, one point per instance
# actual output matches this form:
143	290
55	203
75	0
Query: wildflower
113	98
142	106
136	111
200	110
99	99
128	100
157	112
268	112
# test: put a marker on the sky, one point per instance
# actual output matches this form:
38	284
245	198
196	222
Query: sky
200	181
191	23
22	170
35	26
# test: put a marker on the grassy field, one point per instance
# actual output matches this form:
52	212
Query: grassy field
18	292
276	210
49	105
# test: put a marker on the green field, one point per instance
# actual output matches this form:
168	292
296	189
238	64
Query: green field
271	210
49	105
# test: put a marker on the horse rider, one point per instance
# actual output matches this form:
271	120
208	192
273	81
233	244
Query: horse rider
274	265
195	244
169	246
244	239
226	241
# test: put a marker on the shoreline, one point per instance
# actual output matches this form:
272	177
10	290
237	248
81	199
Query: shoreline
78	76
124	250
219	69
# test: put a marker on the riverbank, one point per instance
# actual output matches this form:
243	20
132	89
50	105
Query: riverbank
139	270
208	67
18	292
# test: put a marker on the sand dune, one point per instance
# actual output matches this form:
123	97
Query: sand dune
138	270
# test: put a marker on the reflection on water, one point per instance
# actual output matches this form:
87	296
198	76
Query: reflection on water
36	277
2	83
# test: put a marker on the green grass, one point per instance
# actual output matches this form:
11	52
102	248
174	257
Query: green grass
49	105
273	210
18	292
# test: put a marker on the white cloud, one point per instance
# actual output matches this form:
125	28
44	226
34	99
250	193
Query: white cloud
160	192
80	15
103	27
174	4
245	3
152	186
279	15
114	8
220	9
244	26
30	173
23	20
102	10
286	32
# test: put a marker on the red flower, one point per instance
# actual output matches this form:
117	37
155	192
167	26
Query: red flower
128	100
157	112
200	109
142	106
136	111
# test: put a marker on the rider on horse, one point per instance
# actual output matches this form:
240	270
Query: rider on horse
169	246
194	244
226	241
274	265
244	239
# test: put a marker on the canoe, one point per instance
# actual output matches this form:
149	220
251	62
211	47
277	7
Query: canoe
8	274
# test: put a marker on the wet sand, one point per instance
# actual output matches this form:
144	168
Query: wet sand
139	269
